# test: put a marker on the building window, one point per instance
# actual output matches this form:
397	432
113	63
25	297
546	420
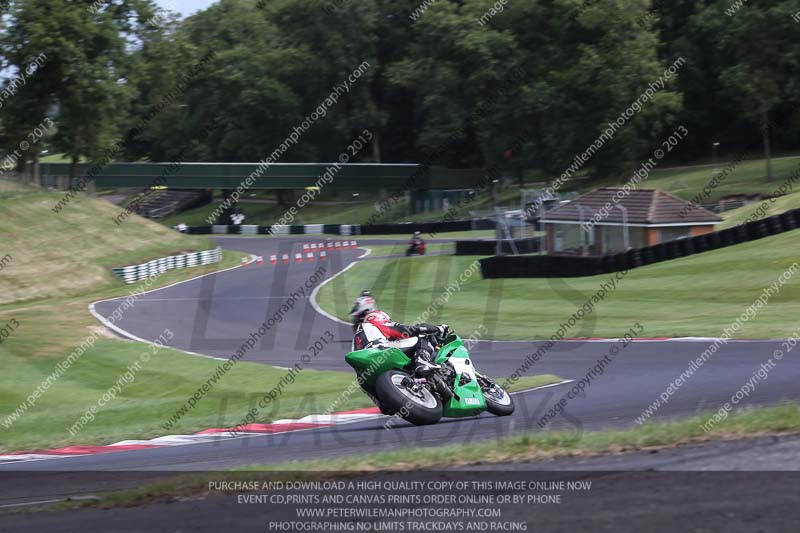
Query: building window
671	234
569	238
613	238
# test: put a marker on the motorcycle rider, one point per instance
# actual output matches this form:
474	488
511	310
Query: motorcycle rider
416	240
379	330
362	305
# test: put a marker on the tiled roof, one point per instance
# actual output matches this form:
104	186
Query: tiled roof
644	206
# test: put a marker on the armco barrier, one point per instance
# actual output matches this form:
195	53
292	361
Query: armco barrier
562	266
134	273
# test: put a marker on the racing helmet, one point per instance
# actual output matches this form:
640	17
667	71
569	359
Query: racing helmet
366	292
377	318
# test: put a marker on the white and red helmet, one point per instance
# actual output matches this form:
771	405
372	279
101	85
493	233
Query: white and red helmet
377	318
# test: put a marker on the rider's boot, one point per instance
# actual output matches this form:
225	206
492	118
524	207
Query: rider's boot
425	367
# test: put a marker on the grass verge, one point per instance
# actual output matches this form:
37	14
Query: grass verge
477	234
783	419
73	251
400	249
693	296
329	208
59	264
688	182
549	444
266	214
759	210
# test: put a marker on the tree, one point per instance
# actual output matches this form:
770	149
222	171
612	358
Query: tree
275	65
553	73
84	79
766	57
161	124
27	93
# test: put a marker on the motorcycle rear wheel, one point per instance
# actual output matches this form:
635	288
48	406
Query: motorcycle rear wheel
369	390
420	407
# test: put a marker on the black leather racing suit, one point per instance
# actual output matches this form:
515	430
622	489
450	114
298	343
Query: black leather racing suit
413	340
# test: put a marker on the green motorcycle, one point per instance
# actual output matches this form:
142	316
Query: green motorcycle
455	390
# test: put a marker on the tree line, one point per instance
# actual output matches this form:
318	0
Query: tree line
128	81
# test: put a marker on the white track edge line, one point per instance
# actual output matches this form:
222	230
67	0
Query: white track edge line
243	435
240	436
131	336
313	297
318	309
562	382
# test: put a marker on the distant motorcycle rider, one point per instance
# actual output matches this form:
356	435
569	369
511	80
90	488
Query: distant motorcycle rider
379	330
363	305
416	245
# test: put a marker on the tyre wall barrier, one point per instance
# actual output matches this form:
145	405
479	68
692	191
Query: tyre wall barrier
564	266
489	247
430	228
134	273
788	221
543	266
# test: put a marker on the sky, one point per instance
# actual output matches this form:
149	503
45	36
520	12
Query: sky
185	7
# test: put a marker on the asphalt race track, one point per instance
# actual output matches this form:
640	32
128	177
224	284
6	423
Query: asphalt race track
215	314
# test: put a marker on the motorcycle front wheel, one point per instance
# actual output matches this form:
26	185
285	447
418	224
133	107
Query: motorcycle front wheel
498	401
401	396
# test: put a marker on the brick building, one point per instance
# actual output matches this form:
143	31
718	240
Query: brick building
595	224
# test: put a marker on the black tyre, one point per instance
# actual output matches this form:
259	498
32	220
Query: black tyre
418	406
498	401
369	390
